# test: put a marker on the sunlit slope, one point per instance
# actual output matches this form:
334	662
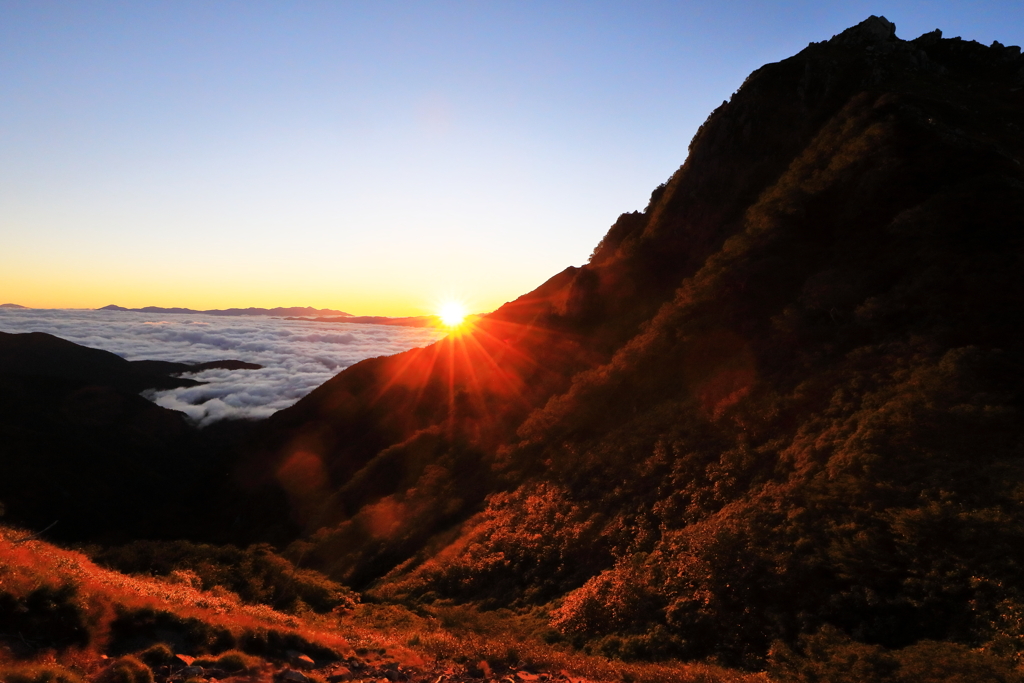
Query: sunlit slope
55	601
242	615
785	396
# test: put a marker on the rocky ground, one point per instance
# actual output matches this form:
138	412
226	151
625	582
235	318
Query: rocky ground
372	667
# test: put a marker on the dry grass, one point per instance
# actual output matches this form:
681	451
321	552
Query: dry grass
96	597
507	639
438	634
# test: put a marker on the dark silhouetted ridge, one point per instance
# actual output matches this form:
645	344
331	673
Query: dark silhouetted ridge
44	355
80	447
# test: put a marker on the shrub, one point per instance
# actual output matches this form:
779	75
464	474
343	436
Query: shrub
258	575
133	630
157	655
274	643
48	616
830	656
232	661
50	673
616	600
235	661
126	670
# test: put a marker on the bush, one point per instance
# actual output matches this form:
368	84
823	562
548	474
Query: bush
258	575
233	661
276	644
50	673
614	601
833	657
236	661
126	670
134	630
49	616
157	655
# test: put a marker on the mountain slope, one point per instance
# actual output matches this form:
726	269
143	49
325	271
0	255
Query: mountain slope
783	398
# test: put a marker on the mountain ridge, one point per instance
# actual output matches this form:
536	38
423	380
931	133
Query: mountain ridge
837	250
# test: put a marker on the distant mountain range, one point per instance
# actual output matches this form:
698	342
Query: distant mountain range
412	321
291	311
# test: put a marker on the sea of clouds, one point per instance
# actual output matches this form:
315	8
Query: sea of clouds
297	356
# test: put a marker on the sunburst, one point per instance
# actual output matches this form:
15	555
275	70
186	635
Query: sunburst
452	313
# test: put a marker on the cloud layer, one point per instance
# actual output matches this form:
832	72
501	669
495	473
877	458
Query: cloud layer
297	356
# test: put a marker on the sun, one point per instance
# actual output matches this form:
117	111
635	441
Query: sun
451	313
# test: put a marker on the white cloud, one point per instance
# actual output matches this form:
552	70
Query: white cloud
297	356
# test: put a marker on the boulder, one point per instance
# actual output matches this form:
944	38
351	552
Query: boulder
299	660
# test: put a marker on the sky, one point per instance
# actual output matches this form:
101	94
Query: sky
373	157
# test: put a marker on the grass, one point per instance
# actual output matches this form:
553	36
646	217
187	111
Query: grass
507	639
56	602
90	613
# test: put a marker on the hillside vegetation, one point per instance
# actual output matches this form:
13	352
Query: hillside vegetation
64	619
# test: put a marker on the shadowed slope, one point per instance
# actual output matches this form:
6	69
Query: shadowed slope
80	448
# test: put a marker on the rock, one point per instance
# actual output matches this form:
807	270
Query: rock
185	659
299	660
192	672
340	674
294	676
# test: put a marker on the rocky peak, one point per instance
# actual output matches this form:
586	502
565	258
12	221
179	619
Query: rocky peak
871	30
930	38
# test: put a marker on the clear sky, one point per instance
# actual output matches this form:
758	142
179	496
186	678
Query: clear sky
373	157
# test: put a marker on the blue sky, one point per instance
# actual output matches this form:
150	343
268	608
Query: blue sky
374	157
